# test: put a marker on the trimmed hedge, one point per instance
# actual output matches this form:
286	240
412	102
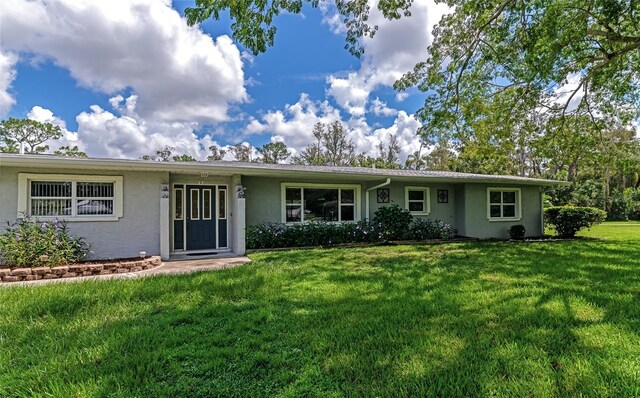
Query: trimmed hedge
390	223
568	220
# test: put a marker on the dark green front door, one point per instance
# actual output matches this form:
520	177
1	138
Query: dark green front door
201	217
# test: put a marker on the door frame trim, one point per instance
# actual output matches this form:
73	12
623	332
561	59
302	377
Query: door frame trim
216	188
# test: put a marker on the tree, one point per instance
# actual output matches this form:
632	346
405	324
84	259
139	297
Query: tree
313	154
274	152
253	19
26	135
388	158
553	58
162	155
72	152
333	147
339	149
242	152
184	158
217	153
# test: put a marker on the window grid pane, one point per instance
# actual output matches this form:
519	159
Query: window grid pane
416	195
50	207
51	189
94	189
94	207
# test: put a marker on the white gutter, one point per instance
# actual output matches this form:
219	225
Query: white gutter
366	194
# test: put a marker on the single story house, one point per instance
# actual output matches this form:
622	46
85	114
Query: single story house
123	207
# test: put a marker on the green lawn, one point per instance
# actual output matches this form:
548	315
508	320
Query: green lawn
464	319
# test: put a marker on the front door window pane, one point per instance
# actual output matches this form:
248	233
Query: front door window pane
206	204
178	204
222	206
195	204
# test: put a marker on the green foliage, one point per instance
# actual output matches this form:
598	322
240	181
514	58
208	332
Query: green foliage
568	220
274	152
242	152
217	153
517	231
271	235
29	242
391	223
467	319
30	133
70	151
333	147
253	20
184	158
394	220
425	229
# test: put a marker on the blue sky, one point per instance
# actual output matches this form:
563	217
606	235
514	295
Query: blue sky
126	78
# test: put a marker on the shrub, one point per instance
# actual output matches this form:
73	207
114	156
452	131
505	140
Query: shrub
271	235
431	229
394	221
28	242
517	232
568	220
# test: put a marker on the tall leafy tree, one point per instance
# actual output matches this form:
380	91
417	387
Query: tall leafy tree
389	152
217	153
274	152
242	152
26	135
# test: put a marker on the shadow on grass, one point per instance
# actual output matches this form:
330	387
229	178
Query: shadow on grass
464	319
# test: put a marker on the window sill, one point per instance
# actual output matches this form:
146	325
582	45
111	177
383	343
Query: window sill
504	219
421	213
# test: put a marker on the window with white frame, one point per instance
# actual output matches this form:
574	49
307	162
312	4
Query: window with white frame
417	200
320	202
503	204
70	196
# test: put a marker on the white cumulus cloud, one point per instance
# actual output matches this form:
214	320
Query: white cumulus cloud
294	126
394	50
178	72
7	75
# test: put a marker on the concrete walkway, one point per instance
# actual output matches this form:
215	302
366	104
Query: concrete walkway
171	267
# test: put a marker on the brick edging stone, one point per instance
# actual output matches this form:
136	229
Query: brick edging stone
8	275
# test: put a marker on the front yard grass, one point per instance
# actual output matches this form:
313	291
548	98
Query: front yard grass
463	319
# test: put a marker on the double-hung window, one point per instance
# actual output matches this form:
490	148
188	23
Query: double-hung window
503	204
71	197
417	200
320	202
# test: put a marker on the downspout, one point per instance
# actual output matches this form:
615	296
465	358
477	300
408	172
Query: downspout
366	194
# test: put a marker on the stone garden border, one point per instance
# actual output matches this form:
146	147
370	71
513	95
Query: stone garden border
8	275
